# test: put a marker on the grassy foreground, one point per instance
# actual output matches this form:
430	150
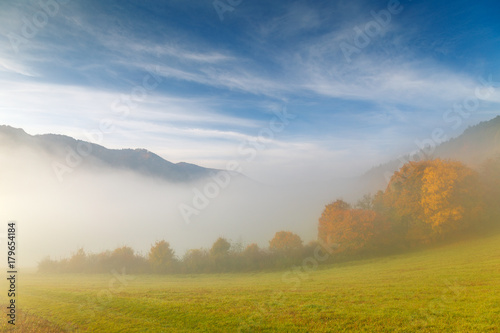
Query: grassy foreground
455	288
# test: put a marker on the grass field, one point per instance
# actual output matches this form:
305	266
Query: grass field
454	288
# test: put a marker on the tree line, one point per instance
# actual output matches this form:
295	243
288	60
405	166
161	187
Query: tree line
425	202
285	249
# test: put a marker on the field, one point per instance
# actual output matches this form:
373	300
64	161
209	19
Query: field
453	288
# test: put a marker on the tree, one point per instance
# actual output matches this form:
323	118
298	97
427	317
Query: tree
365	203
351	231
78	261
253	257
450	199
47	265
428	199
490	184
252	249
161	257
286	249
195	261
332	216
125	258
219	255
285	241
220	247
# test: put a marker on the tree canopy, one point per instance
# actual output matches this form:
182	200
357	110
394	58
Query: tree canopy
161	257
285	241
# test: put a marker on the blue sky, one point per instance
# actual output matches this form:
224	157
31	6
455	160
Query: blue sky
361	90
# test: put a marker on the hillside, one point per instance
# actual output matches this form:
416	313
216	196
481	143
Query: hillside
475	145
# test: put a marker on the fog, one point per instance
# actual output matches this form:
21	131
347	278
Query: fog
101	208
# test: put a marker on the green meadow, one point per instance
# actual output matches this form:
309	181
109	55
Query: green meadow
452	288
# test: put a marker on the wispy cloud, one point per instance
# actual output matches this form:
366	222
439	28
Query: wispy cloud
220	83
9	66
298	18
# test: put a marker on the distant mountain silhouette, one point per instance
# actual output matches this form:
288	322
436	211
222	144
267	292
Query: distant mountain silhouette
475	145
61	147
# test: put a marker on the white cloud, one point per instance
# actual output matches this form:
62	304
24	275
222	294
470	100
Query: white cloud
9	66
298	18
393	85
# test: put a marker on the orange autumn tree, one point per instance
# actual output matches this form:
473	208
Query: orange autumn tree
286	248
285	241
349	230
331	219
432	198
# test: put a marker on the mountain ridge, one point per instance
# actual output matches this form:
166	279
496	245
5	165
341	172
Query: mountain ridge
140	160
472	147
476	144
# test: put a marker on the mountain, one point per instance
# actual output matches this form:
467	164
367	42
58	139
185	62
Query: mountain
67	152
474	146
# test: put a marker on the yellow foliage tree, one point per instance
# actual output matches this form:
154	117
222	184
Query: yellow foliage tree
429	199
449	193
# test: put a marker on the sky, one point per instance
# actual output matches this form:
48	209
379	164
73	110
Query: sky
316	89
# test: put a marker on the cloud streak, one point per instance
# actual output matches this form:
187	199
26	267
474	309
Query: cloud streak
221	81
